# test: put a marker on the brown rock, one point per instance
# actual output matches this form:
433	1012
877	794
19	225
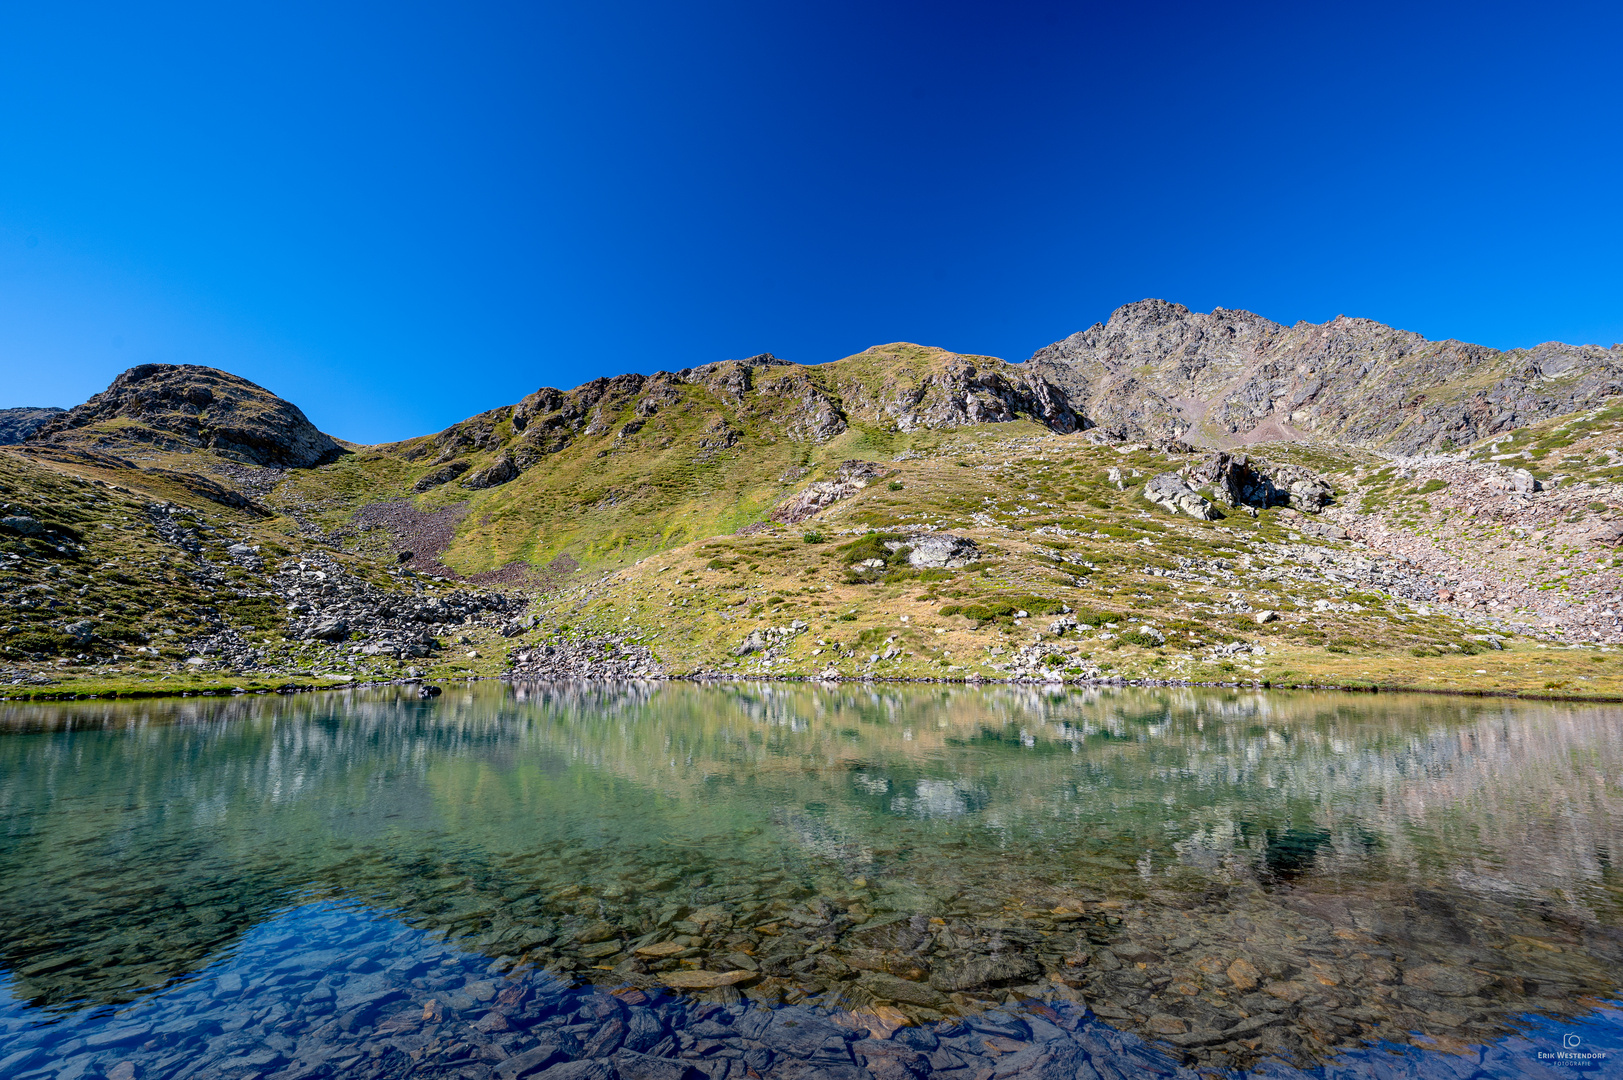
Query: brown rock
1292	991
592	933
704	980
1243	975
1167	1024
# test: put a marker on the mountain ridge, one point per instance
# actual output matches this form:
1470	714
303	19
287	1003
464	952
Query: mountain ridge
1230	377
904	512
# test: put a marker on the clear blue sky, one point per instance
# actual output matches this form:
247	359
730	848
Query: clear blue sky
400	214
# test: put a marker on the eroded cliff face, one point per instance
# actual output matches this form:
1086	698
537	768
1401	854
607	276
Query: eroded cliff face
183	407
1158	370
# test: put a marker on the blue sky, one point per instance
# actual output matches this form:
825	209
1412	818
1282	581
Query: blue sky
400	214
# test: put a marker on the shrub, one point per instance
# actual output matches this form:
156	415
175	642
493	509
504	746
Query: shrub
894	485
813	537
1004	608
868	546
42	641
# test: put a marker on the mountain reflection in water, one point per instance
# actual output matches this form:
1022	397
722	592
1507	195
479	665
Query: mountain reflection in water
1237	875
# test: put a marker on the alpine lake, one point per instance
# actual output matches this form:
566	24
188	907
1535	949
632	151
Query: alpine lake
668	881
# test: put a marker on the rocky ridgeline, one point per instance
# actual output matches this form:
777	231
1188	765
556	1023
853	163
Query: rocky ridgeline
714	405
1157	369
186	407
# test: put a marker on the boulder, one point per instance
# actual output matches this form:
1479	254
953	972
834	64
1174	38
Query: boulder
1311	495
1173	493
23	525
444	474
940	550
1237	481
1609	533
1524	482
500	471
755	642
979	971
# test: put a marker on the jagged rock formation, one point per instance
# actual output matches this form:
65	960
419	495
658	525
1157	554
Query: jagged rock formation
183	407
17	424
1226	378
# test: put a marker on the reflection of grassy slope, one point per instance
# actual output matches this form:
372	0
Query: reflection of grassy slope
157	846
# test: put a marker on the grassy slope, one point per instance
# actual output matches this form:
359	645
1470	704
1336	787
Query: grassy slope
108	565
1037	504
610	499
658	513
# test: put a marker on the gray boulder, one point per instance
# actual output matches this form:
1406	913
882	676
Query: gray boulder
942	551
1173	493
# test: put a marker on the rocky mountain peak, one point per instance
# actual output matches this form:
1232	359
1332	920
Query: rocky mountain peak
182	407
1229	377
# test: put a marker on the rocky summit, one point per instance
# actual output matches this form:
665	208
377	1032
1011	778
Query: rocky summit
1228	378
1165	497
186	407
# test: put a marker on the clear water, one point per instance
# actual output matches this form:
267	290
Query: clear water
1240	879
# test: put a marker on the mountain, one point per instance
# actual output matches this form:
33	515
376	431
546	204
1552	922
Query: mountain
184	407
1229	378
17	424
905	512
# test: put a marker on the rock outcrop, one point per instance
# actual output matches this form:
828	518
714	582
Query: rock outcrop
17	424
182	407
851	478
942	551
1228	378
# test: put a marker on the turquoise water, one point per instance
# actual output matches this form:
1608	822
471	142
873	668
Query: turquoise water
1419	871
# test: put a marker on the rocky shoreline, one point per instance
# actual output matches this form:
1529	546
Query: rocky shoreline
733	677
